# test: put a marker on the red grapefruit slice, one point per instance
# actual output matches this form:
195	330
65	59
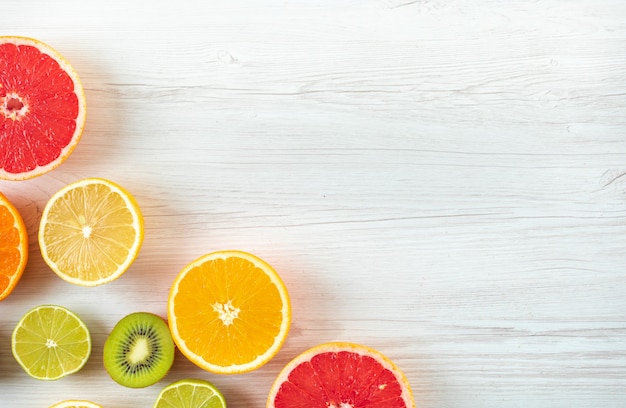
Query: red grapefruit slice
341	375
42	108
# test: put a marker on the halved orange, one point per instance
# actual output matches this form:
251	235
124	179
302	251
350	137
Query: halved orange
229	312
13	247
338	375
42	108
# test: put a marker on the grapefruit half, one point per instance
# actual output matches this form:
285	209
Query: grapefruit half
42	108
341	375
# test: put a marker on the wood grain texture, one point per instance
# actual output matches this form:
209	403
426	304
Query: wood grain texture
441	180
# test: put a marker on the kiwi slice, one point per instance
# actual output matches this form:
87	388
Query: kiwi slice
139	350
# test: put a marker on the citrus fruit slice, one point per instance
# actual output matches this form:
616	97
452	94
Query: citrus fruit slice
190	393
42	108
341	375
51	342
75	404
13	247
229	312
91	232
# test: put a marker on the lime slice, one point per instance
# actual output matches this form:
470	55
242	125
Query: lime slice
190	393
50	342
75	404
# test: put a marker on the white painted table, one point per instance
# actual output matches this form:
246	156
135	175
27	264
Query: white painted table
441	180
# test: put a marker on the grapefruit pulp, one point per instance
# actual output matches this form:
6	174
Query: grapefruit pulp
42	108
341	375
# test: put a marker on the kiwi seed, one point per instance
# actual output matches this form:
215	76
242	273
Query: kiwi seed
139	350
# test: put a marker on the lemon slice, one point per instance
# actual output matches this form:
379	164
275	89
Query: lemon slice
190	393
51	342
75	404
91	232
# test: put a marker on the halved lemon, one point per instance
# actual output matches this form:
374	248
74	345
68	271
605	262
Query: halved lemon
75	404
91	232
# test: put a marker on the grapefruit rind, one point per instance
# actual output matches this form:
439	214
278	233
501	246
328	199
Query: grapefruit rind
23	247
335	347
263	358
80	118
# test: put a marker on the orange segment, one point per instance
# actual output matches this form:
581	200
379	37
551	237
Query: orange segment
229	312
13	247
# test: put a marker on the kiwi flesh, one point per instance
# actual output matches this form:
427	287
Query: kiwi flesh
139	351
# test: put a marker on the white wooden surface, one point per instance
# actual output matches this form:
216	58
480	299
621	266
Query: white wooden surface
441	180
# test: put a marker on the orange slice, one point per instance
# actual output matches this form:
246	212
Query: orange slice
91	232
13	247
229	312
338	375
42	108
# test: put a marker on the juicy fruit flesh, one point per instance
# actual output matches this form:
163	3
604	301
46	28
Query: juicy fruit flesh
88	228
139	351
343	379
223	315
50	342
38	108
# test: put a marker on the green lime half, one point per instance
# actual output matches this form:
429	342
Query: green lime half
190	393
50	342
